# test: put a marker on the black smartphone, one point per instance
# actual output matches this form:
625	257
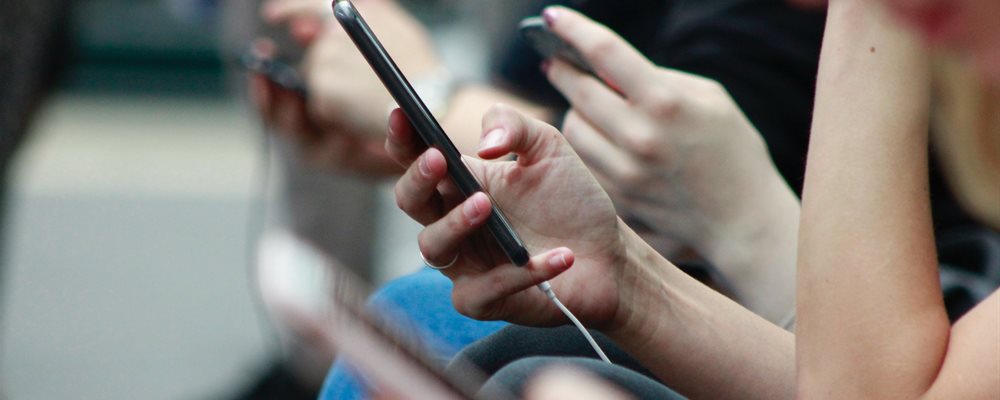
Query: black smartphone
426	126
549	45
276	71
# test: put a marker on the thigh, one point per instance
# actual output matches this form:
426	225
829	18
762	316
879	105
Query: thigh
515	376
517	342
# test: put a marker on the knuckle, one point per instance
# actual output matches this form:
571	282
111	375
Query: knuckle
499	283
460	303
646	146
464	303
456	221
662	104
632	178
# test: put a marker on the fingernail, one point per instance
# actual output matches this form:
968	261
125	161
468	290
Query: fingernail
550	15
424	167
493	139
559	261
471	209
545	66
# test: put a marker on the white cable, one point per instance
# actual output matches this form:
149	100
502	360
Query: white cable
546	288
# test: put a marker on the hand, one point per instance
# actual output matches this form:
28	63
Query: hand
552	201
285	112
346	94
672	149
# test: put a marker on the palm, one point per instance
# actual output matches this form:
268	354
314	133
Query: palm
551	203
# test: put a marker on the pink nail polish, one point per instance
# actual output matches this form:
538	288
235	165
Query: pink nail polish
493	139
550	15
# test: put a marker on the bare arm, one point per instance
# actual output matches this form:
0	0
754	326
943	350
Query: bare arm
696	340
871	321
470	102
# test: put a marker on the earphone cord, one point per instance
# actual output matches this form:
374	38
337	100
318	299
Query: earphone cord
546	288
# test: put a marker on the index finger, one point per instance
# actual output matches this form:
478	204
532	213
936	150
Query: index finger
401	143
614	60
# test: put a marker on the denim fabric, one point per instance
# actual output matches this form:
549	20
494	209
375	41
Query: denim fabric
420	303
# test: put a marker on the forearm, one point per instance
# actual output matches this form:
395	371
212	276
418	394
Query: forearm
870	316
696	340
467	105
756	252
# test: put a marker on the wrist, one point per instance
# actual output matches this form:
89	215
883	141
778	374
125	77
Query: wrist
641	290
766	221
756	253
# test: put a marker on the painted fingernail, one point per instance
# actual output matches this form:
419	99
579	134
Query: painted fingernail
545	66
493	139
550	15
471	209
559	261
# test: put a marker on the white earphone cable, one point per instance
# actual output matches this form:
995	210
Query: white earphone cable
546	288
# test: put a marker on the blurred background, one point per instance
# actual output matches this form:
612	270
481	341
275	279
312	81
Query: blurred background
128	212
134	203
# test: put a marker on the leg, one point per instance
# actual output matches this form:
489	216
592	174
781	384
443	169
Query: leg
517	342
514	377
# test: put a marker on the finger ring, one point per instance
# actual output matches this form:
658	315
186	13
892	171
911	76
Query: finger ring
438	267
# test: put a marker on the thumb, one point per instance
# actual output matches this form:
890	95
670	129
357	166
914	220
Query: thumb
507	131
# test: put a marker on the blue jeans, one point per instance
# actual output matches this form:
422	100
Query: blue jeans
421	303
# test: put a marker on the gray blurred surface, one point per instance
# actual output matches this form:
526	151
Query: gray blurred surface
126	252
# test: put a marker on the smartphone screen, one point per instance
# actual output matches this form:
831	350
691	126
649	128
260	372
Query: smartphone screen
426	126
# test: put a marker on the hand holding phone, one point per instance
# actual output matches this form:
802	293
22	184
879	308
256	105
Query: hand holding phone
426	126
549	45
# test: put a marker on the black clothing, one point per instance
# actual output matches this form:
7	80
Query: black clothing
764	52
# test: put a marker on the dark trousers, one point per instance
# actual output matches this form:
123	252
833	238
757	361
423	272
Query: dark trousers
513	355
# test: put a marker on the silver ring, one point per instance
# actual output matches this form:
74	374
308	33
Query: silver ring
438	267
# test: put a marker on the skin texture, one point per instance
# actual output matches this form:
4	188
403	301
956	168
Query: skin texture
675	152
871	320
697	339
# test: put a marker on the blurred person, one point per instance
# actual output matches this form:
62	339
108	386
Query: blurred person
872	321
32	43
